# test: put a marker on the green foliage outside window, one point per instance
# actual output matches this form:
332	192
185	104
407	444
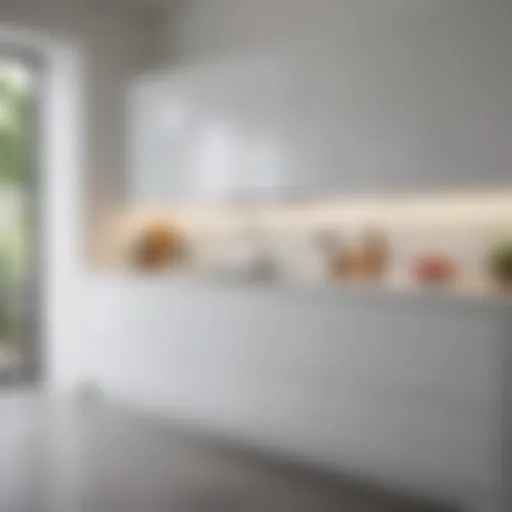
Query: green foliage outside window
15	157
14	129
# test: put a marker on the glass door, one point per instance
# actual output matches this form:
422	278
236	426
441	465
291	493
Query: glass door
18	214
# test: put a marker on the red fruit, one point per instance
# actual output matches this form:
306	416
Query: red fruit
434	268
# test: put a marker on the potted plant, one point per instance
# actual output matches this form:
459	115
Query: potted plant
500	262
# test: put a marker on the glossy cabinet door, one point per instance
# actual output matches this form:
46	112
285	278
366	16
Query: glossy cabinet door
316	120
206	133
377	118
158	133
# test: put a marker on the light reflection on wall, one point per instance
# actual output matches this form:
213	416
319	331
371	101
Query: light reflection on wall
263	162
457	208
214	161
229	164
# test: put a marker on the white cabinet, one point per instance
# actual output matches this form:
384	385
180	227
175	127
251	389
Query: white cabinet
411	393
318	120
206	133
160	134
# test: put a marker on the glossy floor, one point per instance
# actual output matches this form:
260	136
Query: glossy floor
55	457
